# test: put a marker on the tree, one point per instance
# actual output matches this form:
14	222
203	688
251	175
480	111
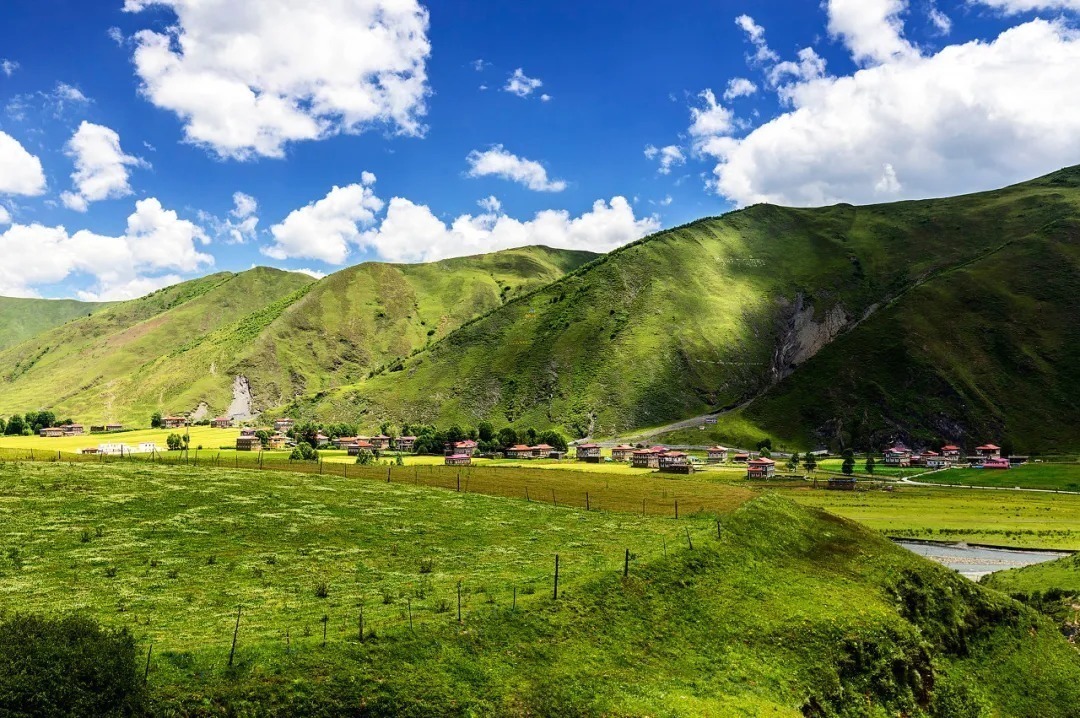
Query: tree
16	426
38	420
793	462
68	667
765	445
304	452
156	421
554	438
810	461
263	436
455	433
766	453
531	436
307	433
175	442
870	465
365	458
848	467
486	431
507	437
3	425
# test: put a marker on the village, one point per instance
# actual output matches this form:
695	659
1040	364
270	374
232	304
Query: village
760	465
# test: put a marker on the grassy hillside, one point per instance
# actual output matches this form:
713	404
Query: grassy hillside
21	319
955	317
789	612
285	332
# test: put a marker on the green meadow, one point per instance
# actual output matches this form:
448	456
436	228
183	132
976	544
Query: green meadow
746	605
1046	477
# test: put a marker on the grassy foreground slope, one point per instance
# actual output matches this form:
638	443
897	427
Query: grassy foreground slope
788	612
956	317
284	331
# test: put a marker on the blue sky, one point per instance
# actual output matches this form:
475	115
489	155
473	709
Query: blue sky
127	127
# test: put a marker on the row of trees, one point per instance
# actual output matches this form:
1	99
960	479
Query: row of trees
432	440
30	423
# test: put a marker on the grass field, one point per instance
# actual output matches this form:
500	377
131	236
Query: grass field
209	439
1051	477
998	518
786	608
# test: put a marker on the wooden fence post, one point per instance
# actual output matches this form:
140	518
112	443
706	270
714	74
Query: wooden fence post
586	500
236	631
688	539
325	620
360	632
626	565
146	673
459	601
676	508
555	594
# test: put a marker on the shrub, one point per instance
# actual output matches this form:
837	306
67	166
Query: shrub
68	667
322	589
365	458
304	452
427	565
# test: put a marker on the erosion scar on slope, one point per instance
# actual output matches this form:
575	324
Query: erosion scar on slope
240	408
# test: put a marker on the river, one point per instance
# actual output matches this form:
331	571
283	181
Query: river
977	561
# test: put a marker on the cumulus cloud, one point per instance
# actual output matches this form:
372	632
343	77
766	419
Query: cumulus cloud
756	34
973	116
242	223
314	273
101	167
352	217
521	85
668	157
941	22
156	240
497	162
247	77
5	216
739	87
1012	7
8	67
22	173
326	230
871	29
412	233
138	287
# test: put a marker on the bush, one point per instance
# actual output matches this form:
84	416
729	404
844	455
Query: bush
304	452
68	667
365	458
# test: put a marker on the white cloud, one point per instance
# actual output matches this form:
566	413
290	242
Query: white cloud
325	230
22	172
491	205
521	85
498	162
247	77
756	34
8	67
971	117
155	240
941	22
545	98
242	223
138	287
810	66
310	272
1013	7
101	167
739	87
412	233
871	29
5	216
711	119
116	35
670	156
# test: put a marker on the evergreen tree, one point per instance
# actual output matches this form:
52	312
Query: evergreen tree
810	461
156	421
16	426
848	467
870	465
486	431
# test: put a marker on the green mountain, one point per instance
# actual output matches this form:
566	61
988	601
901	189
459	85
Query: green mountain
241	342
21	319
955	318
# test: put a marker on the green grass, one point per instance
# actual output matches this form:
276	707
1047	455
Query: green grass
1048	477
788	608
21	319
1063	574
991	517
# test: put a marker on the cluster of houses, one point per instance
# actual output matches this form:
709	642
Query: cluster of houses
987	456
146	447
57	432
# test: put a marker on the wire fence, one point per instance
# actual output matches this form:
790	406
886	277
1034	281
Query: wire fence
650	494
